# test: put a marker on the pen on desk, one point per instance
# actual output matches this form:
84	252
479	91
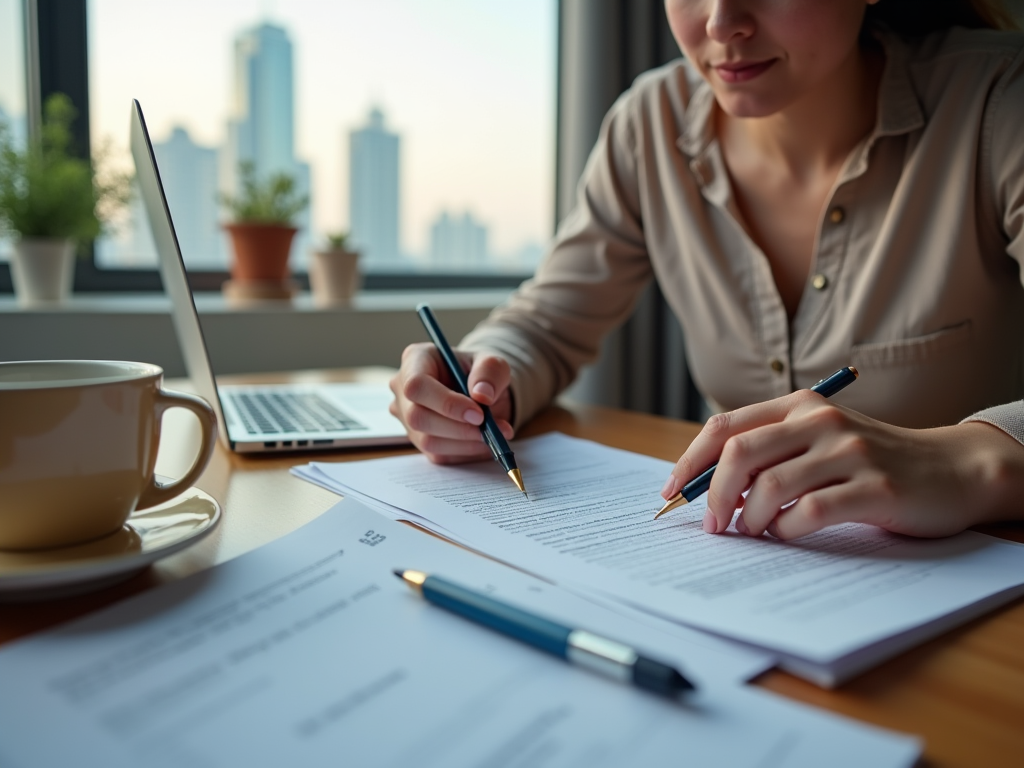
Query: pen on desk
492	435
700	484
599	654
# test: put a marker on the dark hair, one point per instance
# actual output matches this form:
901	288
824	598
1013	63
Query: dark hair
914	18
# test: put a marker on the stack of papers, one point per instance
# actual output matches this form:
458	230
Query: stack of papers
310	652
829	605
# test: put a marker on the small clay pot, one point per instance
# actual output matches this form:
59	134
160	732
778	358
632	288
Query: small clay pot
334	277
261	252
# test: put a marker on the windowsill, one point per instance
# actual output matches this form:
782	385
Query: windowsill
288	336
215	303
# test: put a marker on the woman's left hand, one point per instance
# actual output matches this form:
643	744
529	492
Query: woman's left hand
840	466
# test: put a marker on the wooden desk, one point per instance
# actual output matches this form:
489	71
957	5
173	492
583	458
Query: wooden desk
964	692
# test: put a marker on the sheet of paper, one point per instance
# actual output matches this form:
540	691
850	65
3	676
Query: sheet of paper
309	652
590	521
718	658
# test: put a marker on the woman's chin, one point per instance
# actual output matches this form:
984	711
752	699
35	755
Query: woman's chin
747	105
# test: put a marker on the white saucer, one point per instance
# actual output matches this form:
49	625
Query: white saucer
149	535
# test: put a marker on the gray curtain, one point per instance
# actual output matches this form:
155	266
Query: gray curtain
603	46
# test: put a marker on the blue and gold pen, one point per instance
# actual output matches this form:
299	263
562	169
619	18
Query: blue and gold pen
700	484
599	654
489	429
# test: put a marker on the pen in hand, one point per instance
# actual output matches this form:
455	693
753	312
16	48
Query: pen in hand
489	429
577	646
700	484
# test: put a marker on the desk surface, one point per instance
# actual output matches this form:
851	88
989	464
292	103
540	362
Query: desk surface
963	692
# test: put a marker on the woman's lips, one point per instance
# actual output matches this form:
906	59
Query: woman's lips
741	71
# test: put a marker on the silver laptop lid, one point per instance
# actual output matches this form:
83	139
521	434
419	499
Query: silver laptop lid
172	268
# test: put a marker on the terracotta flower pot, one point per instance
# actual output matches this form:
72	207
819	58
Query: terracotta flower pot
261	252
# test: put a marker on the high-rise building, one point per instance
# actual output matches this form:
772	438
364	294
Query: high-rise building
458	241
189	175
374	192
261	125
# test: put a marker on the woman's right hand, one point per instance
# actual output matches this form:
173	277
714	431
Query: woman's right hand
442	422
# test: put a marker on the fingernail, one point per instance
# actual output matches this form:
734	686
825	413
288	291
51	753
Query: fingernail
742	527
483	389
473	417
710	523
666	489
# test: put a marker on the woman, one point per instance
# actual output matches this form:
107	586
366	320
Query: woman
812	188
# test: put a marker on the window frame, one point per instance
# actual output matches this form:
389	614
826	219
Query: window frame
57	61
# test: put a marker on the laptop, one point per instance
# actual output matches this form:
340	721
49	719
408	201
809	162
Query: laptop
257	418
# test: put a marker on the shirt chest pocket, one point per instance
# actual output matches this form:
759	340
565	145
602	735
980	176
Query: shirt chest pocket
942	344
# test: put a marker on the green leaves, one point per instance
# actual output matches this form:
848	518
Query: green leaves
47	192
274	201
336	241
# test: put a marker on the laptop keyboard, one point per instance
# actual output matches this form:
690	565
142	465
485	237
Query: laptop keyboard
281	412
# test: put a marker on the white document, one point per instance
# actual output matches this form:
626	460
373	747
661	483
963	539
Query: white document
825	599
718	658
309	652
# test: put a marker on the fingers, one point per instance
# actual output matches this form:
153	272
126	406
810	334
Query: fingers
488	378
744	457
442	422
707	447
822	508
780	485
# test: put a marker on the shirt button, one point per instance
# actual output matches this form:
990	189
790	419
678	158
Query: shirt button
836	215
777	365
820	282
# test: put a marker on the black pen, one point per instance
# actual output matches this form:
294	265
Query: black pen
577	646
489	429
700	484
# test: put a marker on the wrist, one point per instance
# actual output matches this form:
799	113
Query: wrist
995	466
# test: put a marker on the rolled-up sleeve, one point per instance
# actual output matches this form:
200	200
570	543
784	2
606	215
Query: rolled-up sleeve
586	285
1006	145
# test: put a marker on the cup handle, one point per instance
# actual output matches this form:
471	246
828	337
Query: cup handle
156	492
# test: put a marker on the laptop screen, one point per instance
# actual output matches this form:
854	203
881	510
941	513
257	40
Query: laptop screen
172	268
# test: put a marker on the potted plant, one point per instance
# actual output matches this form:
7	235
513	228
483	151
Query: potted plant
51	201
334	272
261	230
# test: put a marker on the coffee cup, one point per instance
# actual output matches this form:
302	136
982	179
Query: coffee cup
78	447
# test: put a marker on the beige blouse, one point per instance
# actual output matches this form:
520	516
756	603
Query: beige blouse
916	277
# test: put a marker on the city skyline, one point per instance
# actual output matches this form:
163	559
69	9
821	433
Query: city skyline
458	241
492	153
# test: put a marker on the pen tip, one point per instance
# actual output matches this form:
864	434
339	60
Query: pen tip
399	573
517	478
680	683
676	501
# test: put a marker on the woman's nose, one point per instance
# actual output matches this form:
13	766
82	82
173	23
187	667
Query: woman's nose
729	19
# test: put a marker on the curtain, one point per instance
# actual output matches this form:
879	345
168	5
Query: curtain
603	46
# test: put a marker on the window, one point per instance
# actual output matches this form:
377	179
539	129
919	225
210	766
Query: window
12	81
427	129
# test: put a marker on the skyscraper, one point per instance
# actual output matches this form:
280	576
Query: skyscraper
189	175
373	191
261	125
458	241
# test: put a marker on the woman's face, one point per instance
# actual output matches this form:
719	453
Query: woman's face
760	56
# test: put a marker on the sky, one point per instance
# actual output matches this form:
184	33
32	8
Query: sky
468	84
12	68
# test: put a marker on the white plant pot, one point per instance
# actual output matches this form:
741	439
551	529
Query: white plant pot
334	277
42	270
